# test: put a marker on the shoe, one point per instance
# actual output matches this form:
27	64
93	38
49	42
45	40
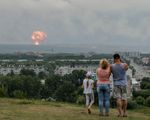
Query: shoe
89	111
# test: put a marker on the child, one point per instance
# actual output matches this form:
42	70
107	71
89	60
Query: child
88	91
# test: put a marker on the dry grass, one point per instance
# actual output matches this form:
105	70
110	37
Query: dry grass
12	109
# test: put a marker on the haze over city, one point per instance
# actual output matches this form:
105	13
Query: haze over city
116	24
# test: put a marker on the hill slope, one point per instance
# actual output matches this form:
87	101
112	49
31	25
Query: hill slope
12	109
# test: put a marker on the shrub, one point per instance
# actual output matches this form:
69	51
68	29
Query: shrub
66	93
143	93
2	92
147	86
19	94
132	104
140	100
80	100
147	102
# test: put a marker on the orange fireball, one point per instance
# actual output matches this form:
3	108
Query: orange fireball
38	37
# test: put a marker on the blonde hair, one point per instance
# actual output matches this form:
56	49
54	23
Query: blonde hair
104	63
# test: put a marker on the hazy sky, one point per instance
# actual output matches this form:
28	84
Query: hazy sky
108	22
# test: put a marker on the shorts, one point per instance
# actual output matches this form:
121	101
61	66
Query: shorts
120	92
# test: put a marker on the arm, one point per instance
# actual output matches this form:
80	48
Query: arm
110	70
126	66
97	74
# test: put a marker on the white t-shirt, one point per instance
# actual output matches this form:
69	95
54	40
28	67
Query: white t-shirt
88	89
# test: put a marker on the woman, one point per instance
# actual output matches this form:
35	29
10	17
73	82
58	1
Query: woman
103	87
88	91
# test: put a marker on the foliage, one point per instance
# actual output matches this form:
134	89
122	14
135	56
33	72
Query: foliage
28	72
19	94
147	102
80	99
28	85
140	100
66	92
142	93
132	104
3	92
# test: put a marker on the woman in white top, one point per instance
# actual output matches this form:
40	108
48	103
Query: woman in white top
88	91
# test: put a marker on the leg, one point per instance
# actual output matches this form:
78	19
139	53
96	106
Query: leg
124	101
118	96
124	108
100	100
87	101
107	101
119	107
91	100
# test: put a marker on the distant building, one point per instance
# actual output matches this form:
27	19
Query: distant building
68	69
135	85
130	54
146	60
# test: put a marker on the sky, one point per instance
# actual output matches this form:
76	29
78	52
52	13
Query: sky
96	22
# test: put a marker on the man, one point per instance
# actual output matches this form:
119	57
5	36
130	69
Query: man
120	84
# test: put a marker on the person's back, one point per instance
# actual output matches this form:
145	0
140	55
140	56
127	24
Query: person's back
103	76
103	87
88	86
118	70
119	74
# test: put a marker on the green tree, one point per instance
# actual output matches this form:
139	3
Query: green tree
28	72
42	75
52	83
66	92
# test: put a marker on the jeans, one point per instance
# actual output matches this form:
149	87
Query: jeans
104	97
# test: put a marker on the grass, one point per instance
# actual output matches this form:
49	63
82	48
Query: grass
14	109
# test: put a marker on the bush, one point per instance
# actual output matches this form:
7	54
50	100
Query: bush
2	92
147	86
132	104
140	100
142	93
19	94
80	100
147	102
66	93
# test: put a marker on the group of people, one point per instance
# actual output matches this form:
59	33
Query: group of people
118	70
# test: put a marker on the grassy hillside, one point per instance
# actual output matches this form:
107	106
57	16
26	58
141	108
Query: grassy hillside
12	109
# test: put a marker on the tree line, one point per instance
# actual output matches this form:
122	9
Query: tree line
28	84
